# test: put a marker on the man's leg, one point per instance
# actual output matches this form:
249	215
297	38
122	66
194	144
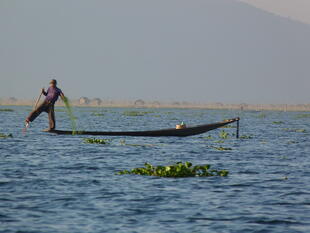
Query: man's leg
51	117
34	114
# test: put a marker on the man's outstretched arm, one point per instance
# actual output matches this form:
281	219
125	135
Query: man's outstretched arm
63	97
44	92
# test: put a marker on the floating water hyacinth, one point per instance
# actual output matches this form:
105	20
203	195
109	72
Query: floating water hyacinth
136	113
295	130
3	136
209	137
220	148
97	141
6	110
304	115
292	142
219	141
97	114
177	170
224	135
133	113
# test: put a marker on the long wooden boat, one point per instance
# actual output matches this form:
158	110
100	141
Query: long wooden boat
189	131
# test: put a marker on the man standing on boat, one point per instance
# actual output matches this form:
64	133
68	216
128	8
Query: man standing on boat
52	94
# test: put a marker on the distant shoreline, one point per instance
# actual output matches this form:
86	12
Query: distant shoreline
84	102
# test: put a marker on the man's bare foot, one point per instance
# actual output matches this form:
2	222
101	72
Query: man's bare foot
27	123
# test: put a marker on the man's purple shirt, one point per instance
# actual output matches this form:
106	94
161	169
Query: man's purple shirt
52	94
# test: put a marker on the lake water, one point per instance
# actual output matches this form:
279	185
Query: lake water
51	183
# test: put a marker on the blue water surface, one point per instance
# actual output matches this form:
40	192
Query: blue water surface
51	183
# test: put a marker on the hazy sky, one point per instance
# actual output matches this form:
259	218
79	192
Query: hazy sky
174	50
295	9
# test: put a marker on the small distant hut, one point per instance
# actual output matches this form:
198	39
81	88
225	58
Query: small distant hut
176	103
139	103
12	100
156	104
84	101
96	101
185	103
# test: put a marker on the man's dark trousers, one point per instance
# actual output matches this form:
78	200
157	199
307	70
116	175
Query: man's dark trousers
47	107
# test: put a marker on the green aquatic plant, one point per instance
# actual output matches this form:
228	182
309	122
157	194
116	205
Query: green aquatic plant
137	113
224	135
209	137
295	130
292	142
3	136
301	131
219	141
277	122
304	115
97	141
220	148
97	114
133	113
6	110
175	171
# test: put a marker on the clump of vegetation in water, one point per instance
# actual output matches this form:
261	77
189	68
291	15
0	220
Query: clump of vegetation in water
176	170
304	115
97	141
277	122
3	136
220	148
70	114
136	113
301	131
295	130
224	135
292	142
6	110
219	141
133	113
97	114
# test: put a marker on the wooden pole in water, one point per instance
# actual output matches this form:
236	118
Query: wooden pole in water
36	104
237	134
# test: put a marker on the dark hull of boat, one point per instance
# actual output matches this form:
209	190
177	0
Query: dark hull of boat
189	131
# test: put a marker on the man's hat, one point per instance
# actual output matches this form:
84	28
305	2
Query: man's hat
53	81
